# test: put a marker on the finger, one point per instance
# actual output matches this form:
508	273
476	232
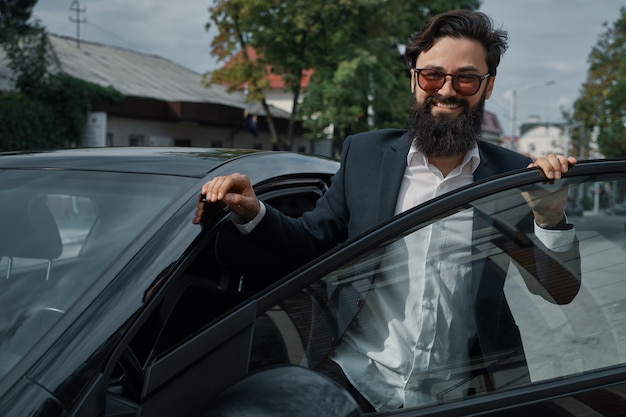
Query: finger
216	188
564	163
552	166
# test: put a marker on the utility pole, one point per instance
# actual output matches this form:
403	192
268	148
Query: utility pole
512	144
75	7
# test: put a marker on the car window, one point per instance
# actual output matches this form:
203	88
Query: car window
61	231
484	302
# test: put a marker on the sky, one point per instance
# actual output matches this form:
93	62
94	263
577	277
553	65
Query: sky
546	63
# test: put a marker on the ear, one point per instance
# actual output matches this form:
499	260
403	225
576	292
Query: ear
412	70
490	83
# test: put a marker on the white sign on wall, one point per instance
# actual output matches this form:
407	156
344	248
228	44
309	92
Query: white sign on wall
95	134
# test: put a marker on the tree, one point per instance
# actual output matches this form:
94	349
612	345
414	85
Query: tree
28	58
601	107
232	42
46	110
14	17
360	81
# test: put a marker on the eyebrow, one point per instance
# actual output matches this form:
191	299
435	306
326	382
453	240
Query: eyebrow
467	68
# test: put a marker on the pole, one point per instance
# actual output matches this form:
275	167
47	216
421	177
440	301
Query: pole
513	121
75	7
514	92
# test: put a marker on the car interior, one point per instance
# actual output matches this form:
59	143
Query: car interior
27	215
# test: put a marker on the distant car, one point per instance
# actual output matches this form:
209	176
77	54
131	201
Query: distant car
113	303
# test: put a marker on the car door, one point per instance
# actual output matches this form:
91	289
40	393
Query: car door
194	339
544	318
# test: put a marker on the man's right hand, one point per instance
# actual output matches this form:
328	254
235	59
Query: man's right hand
236	191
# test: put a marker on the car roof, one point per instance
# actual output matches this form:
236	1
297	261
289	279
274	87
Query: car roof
180	161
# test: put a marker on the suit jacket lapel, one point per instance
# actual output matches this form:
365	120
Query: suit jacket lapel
484	169
391	173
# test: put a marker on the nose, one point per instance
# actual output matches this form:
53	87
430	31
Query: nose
446	89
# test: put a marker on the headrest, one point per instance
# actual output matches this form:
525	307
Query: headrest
27	228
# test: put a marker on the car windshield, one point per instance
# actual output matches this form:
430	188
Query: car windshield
60	232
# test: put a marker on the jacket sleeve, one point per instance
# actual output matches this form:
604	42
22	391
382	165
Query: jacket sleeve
298	240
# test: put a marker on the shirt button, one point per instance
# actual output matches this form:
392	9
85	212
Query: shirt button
359	302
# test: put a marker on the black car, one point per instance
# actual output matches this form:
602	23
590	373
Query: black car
114	303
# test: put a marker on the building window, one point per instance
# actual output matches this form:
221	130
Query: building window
109	139
135	140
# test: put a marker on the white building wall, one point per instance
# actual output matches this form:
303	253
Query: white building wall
126	132
282	99
541	141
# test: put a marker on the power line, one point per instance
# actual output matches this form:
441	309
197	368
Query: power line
115	35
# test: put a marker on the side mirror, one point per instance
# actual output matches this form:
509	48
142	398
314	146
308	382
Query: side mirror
284	391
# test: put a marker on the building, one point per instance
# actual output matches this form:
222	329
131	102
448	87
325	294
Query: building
164	103
538	138
492	129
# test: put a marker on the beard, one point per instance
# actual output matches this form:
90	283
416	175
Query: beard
444	135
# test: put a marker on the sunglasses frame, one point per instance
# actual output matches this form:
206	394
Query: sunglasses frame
480	78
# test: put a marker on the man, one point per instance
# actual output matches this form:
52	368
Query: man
453	61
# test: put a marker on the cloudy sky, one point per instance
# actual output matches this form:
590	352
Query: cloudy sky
549	42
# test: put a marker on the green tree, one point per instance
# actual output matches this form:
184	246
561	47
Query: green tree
46	110
601	107
232	43
14	17
28	58
360	81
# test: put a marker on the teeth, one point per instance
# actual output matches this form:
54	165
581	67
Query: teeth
447	106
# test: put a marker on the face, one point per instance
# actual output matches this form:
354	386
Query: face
444	123
452	56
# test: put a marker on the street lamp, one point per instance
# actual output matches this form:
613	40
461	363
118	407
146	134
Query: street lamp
514	108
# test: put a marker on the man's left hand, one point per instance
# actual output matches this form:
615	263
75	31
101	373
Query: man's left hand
548	204
553	165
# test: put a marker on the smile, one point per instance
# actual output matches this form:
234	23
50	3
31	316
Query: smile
447	106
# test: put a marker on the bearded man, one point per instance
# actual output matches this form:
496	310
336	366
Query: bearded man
453	61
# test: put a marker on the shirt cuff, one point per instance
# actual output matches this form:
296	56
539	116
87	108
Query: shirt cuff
556	240
245	228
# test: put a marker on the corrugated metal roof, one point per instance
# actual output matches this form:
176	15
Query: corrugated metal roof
136	74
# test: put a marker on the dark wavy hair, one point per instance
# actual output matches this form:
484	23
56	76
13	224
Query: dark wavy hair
459	24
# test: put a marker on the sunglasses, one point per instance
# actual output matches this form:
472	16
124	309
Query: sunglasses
463	84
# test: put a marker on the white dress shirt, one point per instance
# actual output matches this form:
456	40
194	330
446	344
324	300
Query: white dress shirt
403	339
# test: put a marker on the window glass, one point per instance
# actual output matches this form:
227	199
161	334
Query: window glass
477	301
61	231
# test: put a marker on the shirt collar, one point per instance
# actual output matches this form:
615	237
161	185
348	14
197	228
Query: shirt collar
415	157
